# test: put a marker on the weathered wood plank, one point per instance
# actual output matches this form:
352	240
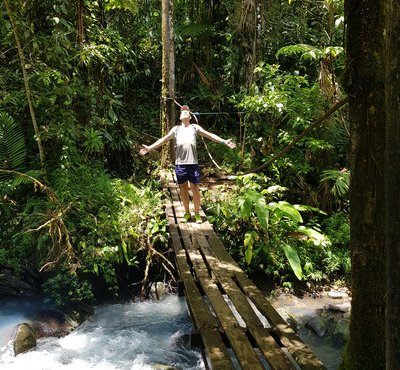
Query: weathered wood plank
296	347
274	355
215	349
237	338
203	320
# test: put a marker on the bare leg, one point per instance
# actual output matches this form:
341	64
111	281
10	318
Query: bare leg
196	197
185	195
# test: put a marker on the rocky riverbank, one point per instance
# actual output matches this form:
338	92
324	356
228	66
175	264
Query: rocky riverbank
321	320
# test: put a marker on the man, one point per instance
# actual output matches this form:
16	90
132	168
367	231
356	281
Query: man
186	165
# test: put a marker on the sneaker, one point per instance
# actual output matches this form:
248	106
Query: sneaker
198	219
187	217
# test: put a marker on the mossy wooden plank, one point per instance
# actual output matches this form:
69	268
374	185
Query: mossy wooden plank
244	351
296	347
200	311
237	338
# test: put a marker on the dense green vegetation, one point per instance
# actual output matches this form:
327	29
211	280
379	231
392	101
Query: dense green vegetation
85	213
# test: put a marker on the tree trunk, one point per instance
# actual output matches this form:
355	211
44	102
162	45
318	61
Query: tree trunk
168	77
79	16
392	181
365	87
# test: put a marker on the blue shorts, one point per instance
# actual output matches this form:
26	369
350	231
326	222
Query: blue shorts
187	172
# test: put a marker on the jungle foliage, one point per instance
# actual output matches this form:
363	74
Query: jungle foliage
263	72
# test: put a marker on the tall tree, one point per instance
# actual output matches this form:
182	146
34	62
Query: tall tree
168	74
392	181
365	87
79	14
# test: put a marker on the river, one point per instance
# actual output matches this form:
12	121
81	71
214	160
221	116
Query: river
128	336
132	336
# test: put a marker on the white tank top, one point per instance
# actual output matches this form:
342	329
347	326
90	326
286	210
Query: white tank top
186	146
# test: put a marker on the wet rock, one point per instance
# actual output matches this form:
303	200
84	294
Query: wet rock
181	340
79	311
342	330
163	367
318	325
158	290
337	295
52	323
25	338
342	307
12	285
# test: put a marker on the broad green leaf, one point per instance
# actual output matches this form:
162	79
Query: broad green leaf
245	208
252	195
125	250
290	211
262	212
248	242
249	238
318	238
294	260
304	208
248	255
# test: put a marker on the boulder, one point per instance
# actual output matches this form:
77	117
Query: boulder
337	295
342	307
25	338
318	325
181	340
52	323
342	331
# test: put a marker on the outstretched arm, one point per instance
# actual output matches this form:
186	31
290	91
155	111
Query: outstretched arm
215	138
147	148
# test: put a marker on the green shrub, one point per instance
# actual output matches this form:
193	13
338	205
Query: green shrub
66	287
265	233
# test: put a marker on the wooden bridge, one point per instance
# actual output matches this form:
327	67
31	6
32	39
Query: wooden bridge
236	325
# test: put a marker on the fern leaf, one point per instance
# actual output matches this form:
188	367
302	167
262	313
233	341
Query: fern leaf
12	143
305	51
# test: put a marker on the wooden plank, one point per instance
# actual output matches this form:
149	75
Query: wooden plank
215	350
296	347
274	355
204	321
214	347
199	309
238	340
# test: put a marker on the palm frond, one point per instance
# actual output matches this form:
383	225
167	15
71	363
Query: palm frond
26	178
12	143
340	180
303	50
